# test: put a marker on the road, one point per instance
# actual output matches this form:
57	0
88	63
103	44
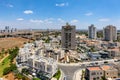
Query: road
78	74
68	71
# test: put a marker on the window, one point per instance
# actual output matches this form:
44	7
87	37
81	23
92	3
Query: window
98	78
93	73
114	77
35	64
94	78
97	73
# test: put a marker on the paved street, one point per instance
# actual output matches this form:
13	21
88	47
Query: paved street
68	71
78	74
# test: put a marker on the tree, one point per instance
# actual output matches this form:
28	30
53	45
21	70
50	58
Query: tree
103	77
36	79
3	50
9	69
20	76
47	40
92	49
26	71
100	34
6	70
13	67
13	53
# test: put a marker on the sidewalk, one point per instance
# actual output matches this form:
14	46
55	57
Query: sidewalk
4	58
62	75
69	64
78	75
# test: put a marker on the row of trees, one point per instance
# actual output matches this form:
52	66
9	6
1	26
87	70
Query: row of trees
13	53
9	69
57	74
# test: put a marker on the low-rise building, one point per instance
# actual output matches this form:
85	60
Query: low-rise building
43	64
23	55
99	72
32	56
94	55
114	53
104	55
110	71
93	73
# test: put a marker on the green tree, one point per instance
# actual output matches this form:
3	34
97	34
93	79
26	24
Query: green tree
36	79
6	70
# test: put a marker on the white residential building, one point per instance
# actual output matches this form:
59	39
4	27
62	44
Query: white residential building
32	56
44	64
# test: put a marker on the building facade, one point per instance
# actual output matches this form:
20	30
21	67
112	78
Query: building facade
43	64
110	33
32	56
68	37
110	71
98	72
92	32
93	73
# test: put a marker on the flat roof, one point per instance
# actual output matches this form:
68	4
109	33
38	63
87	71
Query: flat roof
105	67
94	68
108	67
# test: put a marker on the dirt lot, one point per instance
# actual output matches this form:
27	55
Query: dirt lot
7	43
10	76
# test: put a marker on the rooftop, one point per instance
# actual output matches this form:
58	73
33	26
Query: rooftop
115	49
94	68
106	67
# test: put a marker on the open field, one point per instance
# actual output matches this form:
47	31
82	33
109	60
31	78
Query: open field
7	43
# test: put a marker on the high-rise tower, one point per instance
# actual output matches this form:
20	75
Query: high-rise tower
92	32
110	33
68	37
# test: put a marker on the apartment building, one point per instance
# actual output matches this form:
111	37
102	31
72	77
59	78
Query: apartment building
110	71
32	56
110	33
93	73
43	64
25	53
97	72
68	37
92	32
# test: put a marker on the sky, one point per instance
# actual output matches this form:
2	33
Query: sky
52	14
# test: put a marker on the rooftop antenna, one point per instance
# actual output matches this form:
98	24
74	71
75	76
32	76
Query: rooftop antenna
67	24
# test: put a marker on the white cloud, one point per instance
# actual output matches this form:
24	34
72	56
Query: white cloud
10	5
89	14
20	19
62	4
28	12
74	21
104	20
60	20
48	20
36	21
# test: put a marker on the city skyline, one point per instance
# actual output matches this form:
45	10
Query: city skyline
44	14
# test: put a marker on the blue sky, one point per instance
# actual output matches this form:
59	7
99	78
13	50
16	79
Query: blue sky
52	14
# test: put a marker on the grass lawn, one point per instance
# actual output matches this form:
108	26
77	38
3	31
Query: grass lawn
57	75
5	63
